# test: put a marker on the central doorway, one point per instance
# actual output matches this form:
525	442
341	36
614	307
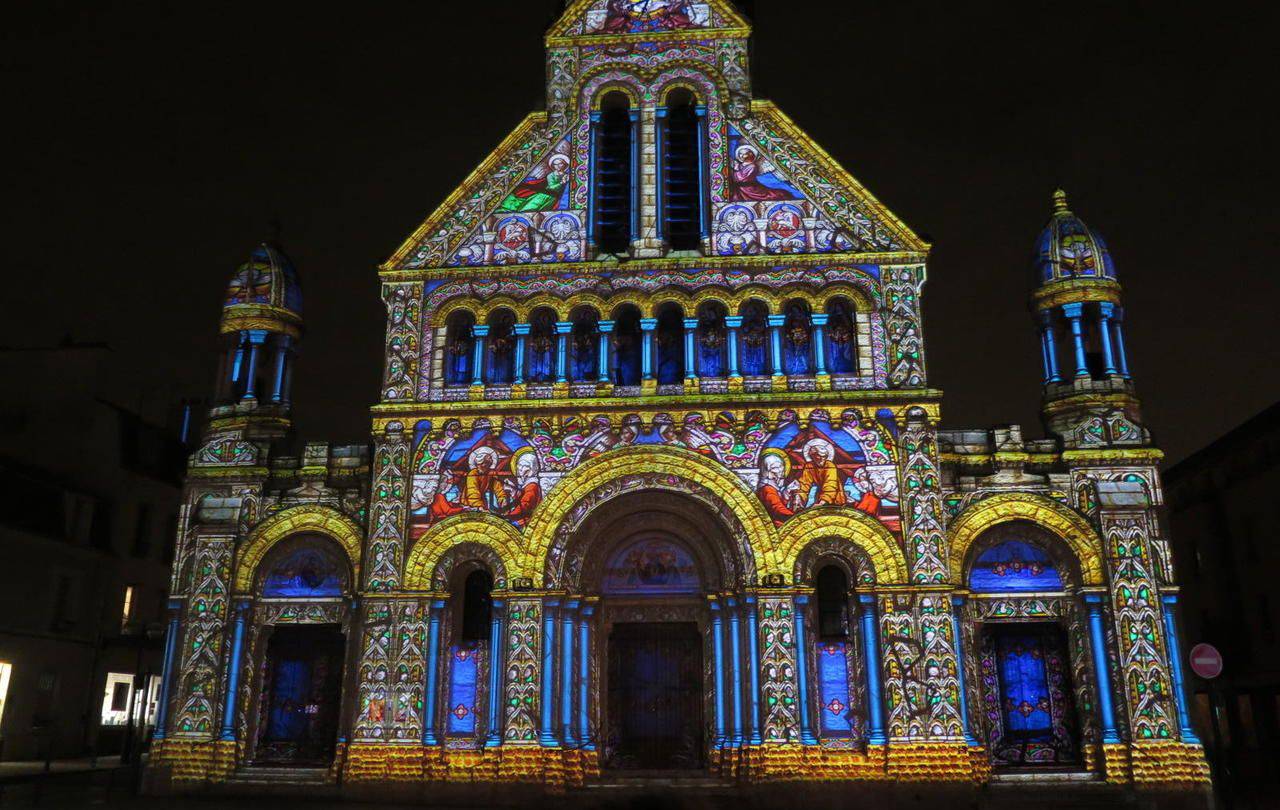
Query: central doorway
655	700
302	691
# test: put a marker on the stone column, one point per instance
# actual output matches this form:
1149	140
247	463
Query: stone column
802	670
1097	637
584	677
478	332
753	646
957	605
433	675
871	654
521	331
647	327
1074	313
547	735
497	664
733	323
1104	333
819	320
690	356
1187	733
563	328
606	328
717	639
166	671
567	623
228	731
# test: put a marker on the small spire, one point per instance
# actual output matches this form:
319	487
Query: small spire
1059	201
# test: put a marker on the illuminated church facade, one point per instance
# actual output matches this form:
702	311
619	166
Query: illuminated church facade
656	483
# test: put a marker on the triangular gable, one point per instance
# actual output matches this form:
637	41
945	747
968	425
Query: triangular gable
611	18
797	163
774	192
482	192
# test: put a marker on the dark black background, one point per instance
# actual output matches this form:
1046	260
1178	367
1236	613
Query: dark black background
149	146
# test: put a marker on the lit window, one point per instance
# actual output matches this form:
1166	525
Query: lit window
126	612
6	670
115	698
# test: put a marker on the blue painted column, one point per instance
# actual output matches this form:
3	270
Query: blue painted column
775	342
717	639
690	362
660	155
735	652
635	174
1121	356
733	323
256	338
547	736
1050	347
957	604
820	342
606	328
1105	311
563	328
479	332
703	214
282	351
871	653
433	674
166	672
591	174
753	648
1098	637
584	677
237	361
1074	313
647	325
566	673
1173	645
497	666
802	670
228	731
521	331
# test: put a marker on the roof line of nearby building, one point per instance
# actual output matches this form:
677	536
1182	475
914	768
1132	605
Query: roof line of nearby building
1268	418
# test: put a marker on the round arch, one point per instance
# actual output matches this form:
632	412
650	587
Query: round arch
477	528
318	519
628	461
1064	523
859	528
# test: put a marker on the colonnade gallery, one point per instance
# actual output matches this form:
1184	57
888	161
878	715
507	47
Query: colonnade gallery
656	483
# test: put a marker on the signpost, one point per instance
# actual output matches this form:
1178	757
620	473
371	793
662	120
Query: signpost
1206	661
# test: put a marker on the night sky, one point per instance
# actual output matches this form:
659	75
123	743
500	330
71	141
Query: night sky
150	146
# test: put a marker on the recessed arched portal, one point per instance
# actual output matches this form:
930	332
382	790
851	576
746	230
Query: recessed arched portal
654	563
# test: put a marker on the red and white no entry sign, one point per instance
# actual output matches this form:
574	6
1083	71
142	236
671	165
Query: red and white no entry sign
1206	661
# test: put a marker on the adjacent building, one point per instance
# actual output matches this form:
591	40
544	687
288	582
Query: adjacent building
1223	516
87	512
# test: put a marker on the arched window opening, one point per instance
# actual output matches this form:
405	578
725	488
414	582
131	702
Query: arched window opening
627	346
477	606
841	337
680	129
832	588
541	348
459	345
670	339
612	148
502	347
712	345
754	337
797	340
584	346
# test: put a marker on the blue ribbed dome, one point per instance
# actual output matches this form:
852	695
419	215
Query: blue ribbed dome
1069	249
264	293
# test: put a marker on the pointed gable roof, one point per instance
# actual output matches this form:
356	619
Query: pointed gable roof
591	20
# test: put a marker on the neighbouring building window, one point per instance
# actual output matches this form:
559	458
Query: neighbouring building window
6	670
126	610
115	698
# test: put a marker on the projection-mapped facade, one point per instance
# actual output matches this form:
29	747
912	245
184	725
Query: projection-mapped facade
656	481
